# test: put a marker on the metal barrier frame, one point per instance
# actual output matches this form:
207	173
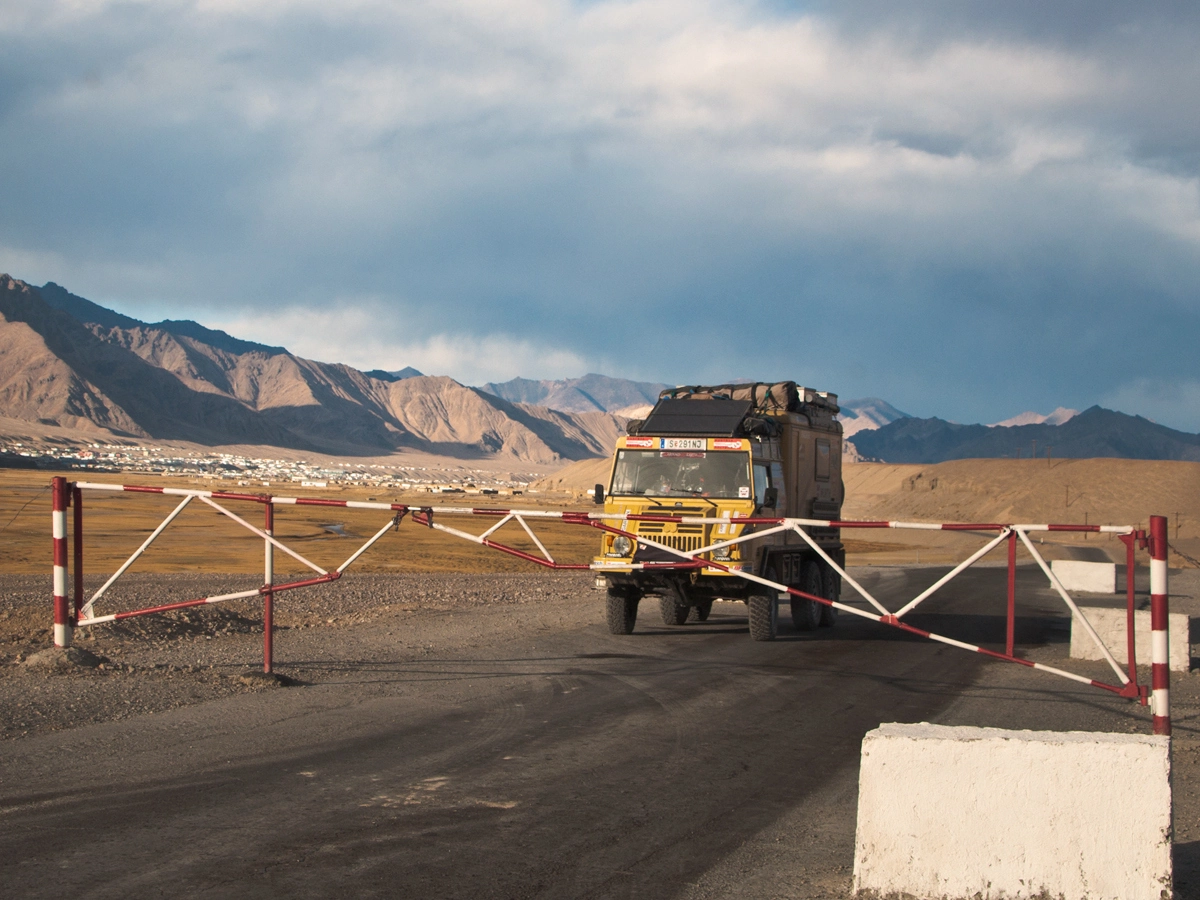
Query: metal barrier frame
80	613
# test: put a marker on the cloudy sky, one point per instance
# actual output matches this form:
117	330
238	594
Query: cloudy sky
968	209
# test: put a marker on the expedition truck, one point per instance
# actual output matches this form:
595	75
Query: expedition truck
725	452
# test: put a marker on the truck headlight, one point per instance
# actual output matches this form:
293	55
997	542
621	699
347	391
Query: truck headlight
621	545
723	554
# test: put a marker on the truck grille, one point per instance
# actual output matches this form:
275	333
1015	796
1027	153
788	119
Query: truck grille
659	527
683	542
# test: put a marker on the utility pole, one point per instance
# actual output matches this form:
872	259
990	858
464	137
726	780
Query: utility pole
1048	449
1034	455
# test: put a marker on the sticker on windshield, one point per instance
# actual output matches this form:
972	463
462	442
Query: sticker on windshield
743	492
682	443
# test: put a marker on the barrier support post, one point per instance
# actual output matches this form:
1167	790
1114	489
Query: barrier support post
1130	542
1012	593
77	551
58	523
268	594
1160	671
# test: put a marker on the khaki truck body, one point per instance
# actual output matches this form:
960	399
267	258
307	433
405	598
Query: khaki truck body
725	453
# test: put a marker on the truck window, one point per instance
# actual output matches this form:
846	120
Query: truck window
666	473
762	480
822	460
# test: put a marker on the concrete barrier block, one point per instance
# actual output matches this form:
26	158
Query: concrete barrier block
1110	625
1092	577
987	813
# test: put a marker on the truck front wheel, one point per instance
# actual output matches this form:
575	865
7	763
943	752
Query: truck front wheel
621	610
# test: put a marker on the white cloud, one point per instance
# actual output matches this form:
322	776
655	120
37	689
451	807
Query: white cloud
368	336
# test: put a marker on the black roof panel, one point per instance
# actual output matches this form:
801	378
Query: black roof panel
718	418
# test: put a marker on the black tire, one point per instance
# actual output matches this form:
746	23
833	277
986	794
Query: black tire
763	614
621	610
806	615
832	583
700	610
674	607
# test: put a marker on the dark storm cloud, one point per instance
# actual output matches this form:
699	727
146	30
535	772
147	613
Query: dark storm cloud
969	209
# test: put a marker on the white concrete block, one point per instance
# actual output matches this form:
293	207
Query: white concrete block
1110	625
1093	577
983	812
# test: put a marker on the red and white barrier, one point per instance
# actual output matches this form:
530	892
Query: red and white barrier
58	519
617	523
1160	670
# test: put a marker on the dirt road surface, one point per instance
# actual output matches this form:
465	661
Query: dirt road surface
458	736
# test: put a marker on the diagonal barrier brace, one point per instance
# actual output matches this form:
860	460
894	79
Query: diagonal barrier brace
367	546
86	612
965	564
270	539
863	592
1062	592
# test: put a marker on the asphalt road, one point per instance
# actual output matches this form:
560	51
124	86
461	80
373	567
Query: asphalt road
522	753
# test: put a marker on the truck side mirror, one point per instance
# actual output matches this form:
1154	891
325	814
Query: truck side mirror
770	497
598	494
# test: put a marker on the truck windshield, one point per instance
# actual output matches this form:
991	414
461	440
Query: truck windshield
668	473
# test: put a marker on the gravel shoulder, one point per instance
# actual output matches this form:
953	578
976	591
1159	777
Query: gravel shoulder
151	664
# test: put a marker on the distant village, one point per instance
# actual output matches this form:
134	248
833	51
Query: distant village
248	471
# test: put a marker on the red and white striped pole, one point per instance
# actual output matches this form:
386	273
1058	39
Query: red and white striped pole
268	594
1160	672
58	522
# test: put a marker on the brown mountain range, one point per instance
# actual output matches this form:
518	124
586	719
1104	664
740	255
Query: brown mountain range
66	361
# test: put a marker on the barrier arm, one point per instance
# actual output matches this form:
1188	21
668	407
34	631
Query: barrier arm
884	619
425	517
684	560
219	598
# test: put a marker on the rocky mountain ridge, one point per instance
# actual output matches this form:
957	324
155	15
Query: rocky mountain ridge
1093	433
67	361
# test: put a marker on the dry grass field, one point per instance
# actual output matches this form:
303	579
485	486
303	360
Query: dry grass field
203	540
1100	491
1076	491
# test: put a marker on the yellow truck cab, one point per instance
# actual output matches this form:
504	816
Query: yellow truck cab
724	453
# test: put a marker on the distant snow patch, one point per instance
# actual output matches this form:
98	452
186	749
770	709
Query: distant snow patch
1058	417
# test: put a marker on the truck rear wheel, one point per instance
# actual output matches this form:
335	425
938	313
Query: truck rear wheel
832	583
764	617
674	607
806	615
621	610
700	610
